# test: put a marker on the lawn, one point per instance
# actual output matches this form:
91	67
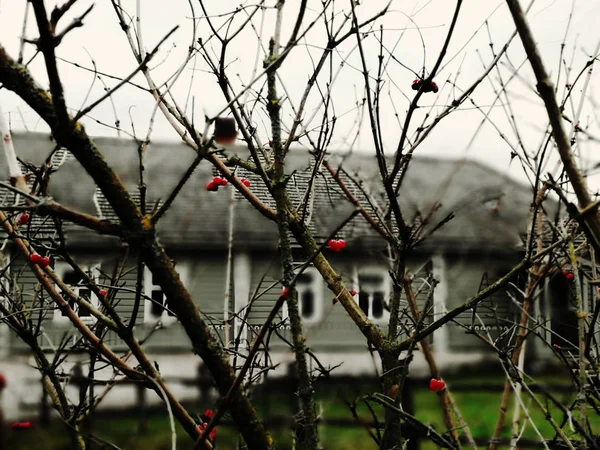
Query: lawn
480	409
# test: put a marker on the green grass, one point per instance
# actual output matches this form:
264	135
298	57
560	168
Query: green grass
158	438
479	409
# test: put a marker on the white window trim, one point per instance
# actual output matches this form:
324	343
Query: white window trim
317	288
4	282
60	269
585	295
165	318
4	330
385	285
441	338
242	275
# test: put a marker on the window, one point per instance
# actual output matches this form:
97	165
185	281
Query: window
373	293
77	284
156	305
309	290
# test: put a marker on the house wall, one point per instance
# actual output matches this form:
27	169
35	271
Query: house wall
335	331
558	311
255	289
334	339
465	278
205	278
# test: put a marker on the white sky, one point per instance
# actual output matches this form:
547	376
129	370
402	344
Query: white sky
457	136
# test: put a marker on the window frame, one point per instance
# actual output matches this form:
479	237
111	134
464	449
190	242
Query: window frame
60	269
164	318
385	286
317	287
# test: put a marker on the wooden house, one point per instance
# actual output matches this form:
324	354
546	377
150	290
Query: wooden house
478	245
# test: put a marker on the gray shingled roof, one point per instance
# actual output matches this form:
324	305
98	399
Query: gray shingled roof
490	208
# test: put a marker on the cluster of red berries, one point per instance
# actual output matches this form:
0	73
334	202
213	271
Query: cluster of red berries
568	275
428	87
23	219
213	185
336	245
42	261
203	422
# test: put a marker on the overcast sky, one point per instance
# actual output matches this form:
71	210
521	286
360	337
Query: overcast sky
459	135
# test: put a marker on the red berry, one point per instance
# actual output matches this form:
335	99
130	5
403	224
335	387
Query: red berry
245	181
336	245
569	276
103	292
21	425
211	186
23	219
556	346
436	385
219	181
352	292
34	258
212	435
3	382
45	262
208	414
429	87
283	293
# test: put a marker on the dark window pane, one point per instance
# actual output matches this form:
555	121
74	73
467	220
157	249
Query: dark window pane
305	278
169	312
71	304
378	305
363	302
370	279
84	293
156	307
308	304
154	280
71	278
